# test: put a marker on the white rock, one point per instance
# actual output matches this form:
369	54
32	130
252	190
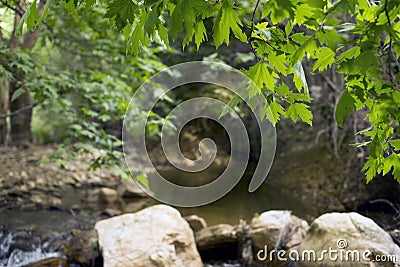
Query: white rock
347	232
277	228
156	236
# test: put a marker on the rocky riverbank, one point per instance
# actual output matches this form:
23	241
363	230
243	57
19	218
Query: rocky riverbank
47	211
48	217
159	236
26	184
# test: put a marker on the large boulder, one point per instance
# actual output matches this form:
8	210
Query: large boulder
352	235
277	229
156	236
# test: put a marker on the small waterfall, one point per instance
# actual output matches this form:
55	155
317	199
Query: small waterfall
245	246
5	244
13	256
19	258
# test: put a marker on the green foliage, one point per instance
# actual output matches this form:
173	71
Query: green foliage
299	110
79	72
344	108
31	17
360	38
227	20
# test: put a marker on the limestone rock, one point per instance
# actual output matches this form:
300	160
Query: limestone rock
155	236
347	232
277	228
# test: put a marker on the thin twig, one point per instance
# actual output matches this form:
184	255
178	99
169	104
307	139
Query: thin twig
18	11
331	84
19	111
387	202
390	44
254	11
252	29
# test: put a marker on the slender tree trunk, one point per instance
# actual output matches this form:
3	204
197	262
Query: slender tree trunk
20	134
3	112
20	123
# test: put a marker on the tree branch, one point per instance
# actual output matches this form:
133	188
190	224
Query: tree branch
390	44
16	112
252	29
331	84
18	10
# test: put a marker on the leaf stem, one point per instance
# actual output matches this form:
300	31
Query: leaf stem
252	30
390	43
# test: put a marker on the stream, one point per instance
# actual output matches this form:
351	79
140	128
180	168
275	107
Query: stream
27	236
30	236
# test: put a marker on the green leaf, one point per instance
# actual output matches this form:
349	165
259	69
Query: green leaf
371	167
200	33
46	8
325	57
277	62
288	28
183	17
137	36
142	179
309	46
163	33
330	37
31	17
367	61
389	162
395	144
273	112
350	54
300	110
151	22
123	11
230	105
345	106
278	10
226	21
261	74
17	93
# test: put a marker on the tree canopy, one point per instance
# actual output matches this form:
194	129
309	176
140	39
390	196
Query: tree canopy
360	39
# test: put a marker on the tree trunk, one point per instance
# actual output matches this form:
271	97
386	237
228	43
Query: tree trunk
21	133
3	112
20	123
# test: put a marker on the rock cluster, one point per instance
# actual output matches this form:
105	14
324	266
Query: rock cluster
159	236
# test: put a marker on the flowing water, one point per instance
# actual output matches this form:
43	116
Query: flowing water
29	236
